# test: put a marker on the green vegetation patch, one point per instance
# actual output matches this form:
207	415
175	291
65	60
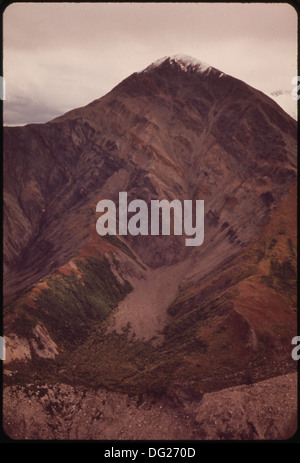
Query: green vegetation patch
73	303
115	241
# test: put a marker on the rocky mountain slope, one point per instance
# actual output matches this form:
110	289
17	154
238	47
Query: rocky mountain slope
184	319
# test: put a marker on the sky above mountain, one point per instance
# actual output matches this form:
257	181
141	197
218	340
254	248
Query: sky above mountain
61	56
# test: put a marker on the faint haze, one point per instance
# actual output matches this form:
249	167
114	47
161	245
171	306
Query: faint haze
59	56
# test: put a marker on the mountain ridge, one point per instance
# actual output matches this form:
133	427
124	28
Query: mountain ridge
182	319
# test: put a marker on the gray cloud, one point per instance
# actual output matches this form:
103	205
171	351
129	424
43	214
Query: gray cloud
60	56
27	110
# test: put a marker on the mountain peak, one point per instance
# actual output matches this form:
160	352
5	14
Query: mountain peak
185	62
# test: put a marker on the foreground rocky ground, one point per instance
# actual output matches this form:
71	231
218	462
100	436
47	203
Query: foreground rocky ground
264	410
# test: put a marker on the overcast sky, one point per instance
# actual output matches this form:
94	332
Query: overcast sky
59	56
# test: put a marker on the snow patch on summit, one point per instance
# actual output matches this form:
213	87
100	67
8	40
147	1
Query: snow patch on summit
185	62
